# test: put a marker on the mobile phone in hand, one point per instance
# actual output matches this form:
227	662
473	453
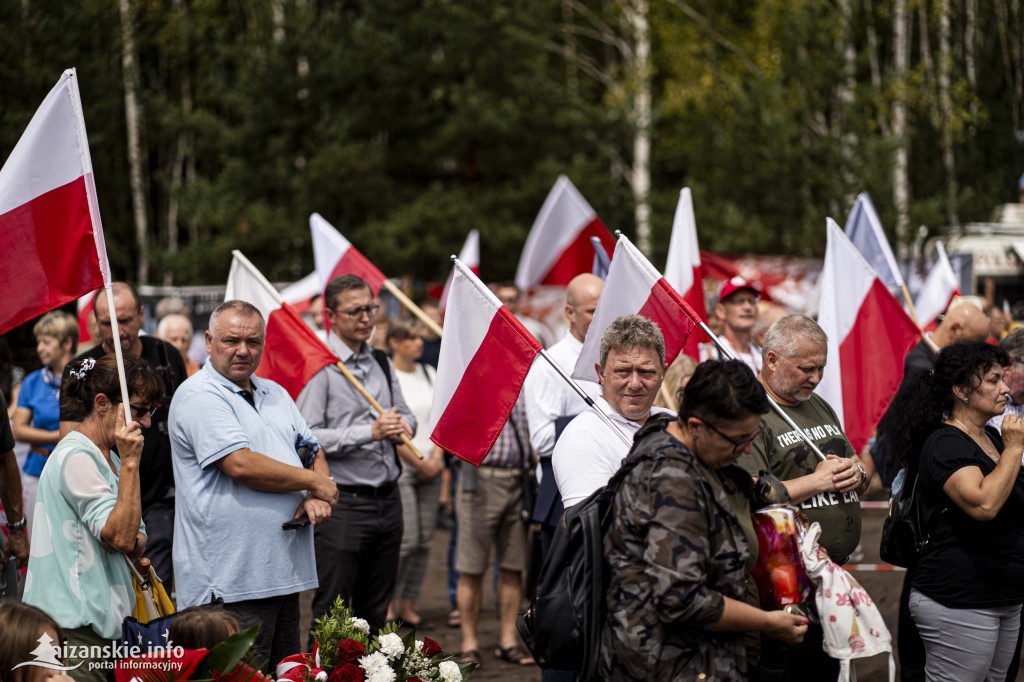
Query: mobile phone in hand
295	524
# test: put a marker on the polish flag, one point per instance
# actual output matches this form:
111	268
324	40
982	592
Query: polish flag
634	287
85	308
51	237
864	229
938	290
292	353
868	332
470	257
682	269
558	247
486	354
334	255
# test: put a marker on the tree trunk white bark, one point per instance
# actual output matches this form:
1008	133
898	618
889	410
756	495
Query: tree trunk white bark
946	106
636	14
900	176
133	117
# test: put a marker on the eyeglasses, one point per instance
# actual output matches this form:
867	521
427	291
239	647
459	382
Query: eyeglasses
140	412
357	313
740	300
737	445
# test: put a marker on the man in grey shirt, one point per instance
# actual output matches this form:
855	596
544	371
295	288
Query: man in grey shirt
357	549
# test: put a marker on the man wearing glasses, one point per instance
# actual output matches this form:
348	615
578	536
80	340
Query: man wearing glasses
794	354
357	549
737	308
631	370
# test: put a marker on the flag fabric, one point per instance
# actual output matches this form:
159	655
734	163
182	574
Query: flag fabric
868	332
485	356
865	231
634	287
558	247
292	353
601	260
682	268
51	236
334	255
938	290
470	257
85	307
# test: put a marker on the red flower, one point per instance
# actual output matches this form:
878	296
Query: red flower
430	648
349	651
346	672
414	679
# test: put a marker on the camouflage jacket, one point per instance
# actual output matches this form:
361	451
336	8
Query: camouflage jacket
674	549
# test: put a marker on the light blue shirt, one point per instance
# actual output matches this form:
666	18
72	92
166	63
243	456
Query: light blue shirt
70	575
228	540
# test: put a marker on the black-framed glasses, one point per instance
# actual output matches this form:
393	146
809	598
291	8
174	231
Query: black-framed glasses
737	445
357	313
140	412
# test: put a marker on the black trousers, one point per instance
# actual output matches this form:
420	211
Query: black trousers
279	628
159	520
804	662
357	556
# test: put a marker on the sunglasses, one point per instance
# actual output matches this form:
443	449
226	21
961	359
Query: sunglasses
140	412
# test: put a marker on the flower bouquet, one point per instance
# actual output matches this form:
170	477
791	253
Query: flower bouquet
346	652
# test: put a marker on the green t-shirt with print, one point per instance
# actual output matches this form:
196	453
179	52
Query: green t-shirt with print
780	449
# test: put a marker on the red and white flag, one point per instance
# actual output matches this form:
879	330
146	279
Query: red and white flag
292	353
558	247
51	237
85	311
864	229
938	290
634	287
334	255
682	268
470	257
486	354
868	332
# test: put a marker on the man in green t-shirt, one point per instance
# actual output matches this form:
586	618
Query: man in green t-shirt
793	355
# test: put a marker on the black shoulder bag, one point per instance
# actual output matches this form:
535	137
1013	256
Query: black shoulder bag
904	534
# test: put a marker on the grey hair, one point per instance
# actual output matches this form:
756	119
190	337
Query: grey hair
1013	344
632	331
787	331
243	308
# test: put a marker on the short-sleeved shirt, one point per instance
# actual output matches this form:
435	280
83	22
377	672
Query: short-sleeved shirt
781	450
70	575
228	540
40	393
967	563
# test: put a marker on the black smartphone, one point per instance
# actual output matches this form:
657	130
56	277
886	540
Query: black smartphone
295	524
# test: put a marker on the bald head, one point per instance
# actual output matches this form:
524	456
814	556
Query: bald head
964	321
581	301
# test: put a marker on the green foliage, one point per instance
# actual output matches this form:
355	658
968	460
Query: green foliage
225	656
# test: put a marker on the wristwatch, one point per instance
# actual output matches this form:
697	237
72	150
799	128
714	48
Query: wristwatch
863	472
20	525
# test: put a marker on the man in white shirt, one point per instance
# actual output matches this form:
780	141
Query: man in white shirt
549	398
1013	375
631	370
737	305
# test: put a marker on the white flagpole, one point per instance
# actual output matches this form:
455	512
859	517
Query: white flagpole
97	231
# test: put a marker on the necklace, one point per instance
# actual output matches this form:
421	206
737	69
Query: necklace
985	445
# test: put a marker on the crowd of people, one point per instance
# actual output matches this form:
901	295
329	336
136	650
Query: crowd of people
241	495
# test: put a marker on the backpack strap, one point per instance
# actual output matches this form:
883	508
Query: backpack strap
382	359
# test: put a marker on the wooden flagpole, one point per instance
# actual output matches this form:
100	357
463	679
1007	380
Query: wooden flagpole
413	308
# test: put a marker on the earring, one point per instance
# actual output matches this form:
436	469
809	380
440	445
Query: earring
965	400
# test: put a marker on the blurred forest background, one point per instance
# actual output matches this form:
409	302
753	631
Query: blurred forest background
220	124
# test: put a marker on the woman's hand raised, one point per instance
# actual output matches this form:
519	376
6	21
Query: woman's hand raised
128	437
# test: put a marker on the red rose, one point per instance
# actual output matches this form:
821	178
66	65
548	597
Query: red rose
346	672
430	648
414	679
349	651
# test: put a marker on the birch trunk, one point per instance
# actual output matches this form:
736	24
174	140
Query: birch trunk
900	176
637	18
133	118
946	106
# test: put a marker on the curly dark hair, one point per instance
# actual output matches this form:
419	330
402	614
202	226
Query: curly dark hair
722	389
923	401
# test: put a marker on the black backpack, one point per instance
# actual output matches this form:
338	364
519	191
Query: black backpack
562	628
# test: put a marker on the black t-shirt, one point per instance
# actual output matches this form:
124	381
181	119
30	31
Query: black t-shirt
6	436
967	563
156	473
920	358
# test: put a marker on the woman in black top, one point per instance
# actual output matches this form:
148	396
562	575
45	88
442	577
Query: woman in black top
968	586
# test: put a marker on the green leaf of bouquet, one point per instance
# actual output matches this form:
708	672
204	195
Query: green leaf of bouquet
229	653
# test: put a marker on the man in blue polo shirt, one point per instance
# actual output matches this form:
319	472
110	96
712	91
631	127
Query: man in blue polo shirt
239	477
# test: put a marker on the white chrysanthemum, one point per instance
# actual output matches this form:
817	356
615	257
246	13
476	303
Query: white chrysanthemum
360	624
391	646
372	662
419	645
449	671
381	674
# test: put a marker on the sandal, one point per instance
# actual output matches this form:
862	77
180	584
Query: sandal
454	618
514	655
471	656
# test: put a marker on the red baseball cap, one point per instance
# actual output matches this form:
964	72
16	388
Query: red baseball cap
734	285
